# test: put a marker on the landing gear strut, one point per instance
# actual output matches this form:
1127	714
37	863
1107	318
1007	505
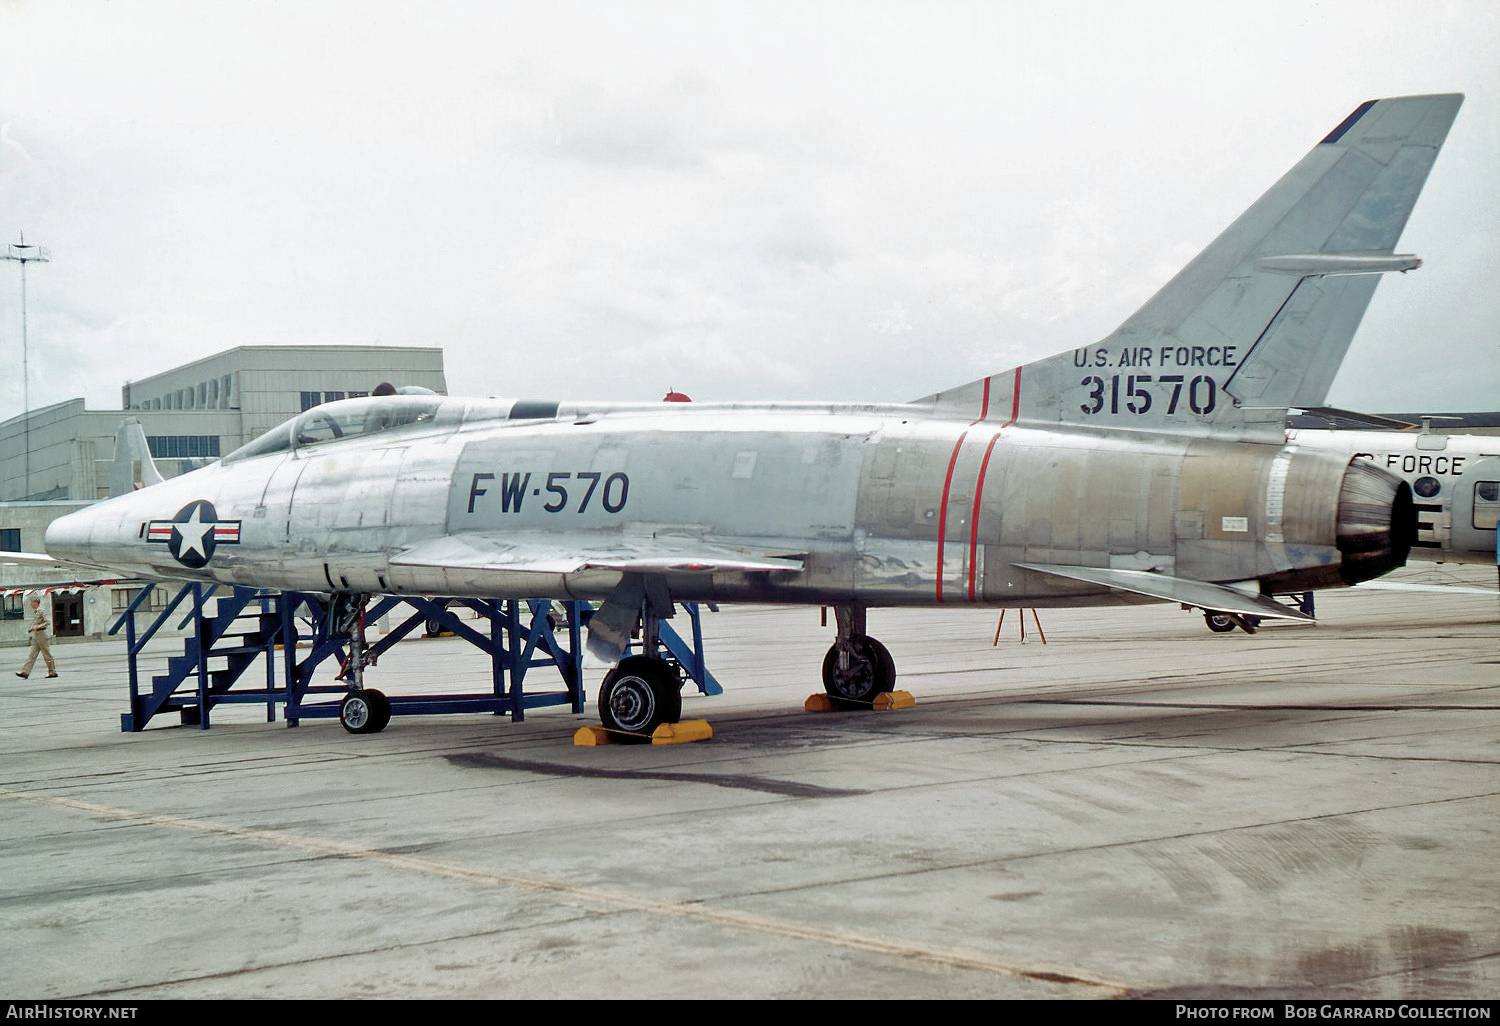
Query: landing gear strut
348	620
857	667
643	691
363	710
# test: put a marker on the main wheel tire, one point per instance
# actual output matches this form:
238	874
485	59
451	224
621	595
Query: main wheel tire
1219	623
640	695
871	671
364	712
380	709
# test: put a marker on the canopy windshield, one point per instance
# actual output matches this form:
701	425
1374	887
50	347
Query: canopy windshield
346	419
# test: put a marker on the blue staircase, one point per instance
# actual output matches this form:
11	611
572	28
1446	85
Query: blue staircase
214	658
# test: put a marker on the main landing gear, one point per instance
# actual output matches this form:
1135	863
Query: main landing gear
857	667
640	695
643	691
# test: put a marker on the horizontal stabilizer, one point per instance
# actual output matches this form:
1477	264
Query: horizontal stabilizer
1338	418
1201	594
555	554
1431	589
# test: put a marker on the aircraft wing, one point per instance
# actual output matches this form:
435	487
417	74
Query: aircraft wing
34	559
646	563
1201	594
559	554
42	561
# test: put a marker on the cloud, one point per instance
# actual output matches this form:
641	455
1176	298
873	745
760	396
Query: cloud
742	200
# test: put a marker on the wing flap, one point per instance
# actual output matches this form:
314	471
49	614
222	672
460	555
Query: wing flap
1201	594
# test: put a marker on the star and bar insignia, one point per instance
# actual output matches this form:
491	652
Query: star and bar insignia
193	534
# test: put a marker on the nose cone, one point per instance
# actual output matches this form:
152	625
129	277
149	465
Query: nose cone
68	537
104	535
168	529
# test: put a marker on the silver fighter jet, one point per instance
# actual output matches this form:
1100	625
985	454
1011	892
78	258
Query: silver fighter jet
1150	466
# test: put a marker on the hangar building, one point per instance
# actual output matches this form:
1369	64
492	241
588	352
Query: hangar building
58	458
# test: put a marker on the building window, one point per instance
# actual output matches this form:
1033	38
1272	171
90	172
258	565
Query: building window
13	610
10	539
183	447
311	399
120	599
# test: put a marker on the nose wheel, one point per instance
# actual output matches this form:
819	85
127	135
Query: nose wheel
365	711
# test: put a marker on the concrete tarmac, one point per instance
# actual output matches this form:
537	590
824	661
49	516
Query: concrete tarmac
1138	808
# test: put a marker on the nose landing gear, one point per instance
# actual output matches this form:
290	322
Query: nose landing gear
365	711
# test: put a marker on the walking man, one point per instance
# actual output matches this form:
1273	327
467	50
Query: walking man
39	628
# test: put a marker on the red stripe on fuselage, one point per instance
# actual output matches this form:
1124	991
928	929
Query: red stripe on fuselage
974	520
1015	401
1015	412
943	510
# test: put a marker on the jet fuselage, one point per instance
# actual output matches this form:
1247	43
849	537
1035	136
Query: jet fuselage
879	505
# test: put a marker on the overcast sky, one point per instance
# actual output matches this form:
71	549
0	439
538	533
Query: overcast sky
854	201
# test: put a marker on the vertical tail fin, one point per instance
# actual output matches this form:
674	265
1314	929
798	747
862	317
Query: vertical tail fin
133	467
1261	319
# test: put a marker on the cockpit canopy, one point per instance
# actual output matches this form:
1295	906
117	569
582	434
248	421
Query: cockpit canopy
353	418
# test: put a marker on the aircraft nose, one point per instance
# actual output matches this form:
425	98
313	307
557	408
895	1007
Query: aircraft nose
68	536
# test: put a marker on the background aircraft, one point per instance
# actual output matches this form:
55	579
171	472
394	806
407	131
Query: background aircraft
1455	483
1151	466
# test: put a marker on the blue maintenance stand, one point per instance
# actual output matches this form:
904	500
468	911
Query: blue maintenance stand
267	647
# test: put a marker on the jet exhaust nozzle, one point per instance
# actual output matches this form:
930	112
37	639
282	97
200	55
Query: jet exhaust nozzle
1377	522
